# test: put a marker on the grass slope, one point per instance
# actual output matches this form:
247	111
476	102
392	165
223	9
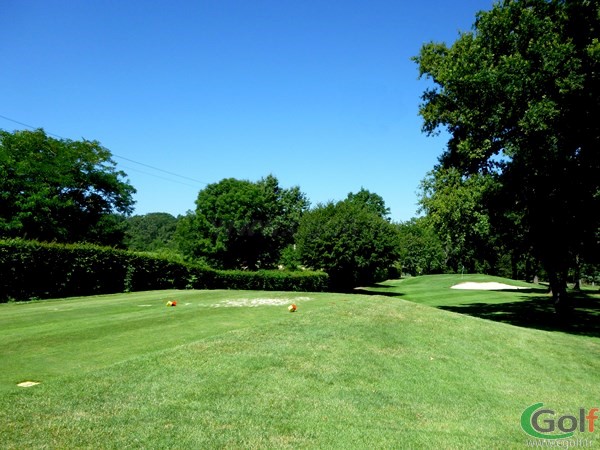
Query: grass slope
531	307
345	371
434	290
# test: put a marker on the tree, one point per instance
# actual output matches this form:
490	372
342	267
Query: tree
187	237
520	95
420	249
353	244
370	200
456	207
242	224
61	190
151	232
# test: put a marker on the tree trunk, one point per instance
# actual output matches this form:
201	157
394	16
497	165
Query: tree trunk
577	268
558	287
514	266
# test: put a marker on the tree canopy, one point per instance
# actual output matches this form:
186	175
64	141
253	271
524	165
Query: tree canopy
151	232
370	200
242	224
352	243
421	251
520	97
61	190
458	210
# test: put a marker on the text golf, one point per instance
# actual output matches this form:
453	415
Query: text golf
544	423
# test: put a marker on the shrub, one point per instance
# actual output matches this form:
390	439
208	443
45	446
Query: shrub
273	280
349	241
31	269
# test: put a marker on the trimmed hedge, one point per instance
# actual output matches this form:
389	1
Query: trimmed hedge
272	280
33	270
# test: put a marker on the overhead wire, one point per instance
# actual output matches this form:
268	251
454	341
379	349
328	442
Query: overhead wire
123	158
157	176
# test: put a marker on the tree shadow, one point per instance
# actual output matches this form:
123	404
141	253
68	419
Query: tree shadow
377	289
538	312
538	291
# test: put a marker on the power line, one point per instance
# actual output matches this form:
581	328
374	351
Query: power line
160	170
158	176
120	157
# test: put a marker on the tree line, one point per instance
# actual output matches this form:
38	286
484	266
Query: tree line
239	224
59	190
516	192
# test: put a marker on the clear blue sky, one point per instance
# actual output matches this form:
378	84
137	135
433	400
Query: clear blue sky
321	94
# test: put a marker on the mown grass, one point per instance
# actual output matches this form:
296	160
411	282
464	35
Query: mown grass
345	371
434	290
532	307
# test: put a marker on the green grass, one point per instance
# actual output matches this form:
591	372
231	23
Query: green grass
345	371
434	290
531	307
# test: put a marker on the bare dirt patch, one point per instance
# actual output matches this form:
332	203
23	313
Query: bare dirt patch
254	302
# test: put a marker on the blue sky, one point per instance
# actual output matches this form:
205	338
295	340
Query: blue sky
321	94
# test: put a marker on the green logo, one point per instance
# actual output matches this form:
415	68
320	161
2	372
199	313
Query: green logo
541	423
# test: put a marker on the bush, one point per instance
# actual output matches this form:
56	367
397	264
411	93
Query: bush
349	241
31	270
273	280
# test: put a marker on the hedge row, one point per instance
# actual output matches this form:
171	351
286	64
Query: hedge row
32	270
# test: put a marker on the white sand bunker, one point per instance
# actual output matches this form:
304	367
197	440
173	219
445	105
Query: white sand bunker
254	302
488	286
28	383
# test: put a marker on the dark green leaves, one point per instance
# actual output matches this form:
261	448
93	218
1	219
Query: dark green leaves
524	86
349	241
60	190
242	224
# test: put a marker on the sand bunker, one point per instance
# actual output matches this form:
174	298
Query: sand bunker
254	302
28	383
488	286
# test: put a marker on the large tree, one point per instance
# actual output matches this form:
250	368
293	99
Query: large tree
242	224
421	251
61	190
457	209
520	96
349	241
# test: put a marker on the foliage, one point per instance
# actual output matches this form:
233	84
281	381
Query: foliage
590	273
370	200
186	238
35	270
60	190
457	209
150	232
519	96
240	224
353	244
272	280
421	250
290	259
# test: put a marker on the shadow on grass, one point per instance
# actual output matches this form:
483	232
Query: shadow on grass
538	291
538	312
377	289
